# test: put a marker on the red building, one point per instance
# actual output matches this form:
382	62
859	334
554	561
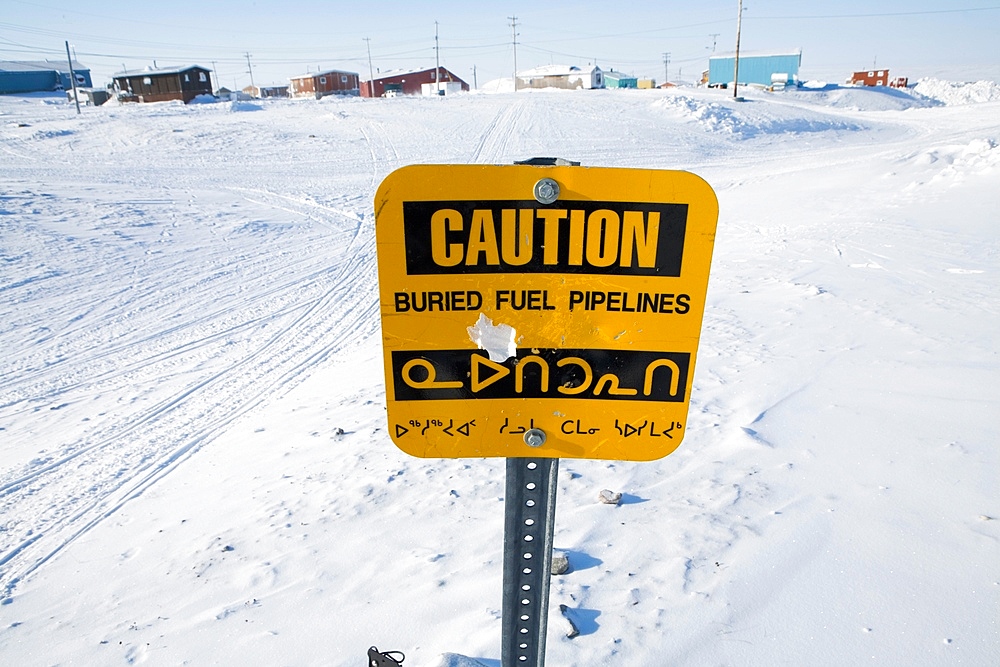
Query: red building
321	84
876	77
410	82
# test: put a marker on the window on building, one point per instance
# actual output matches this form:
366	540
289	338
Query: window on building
343	78
147	81
322	80
201	76
187	78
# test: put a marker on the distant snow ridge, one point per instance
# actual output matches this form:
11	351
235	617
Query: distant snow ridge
954	93
716	117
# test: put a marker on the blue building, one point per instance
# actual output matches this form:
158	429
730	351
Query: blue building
760	69
29	76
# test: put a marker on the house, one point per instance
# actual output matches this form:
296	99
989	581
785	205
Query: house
162	84
411	82
762	69
265	92
321	84
568	77
29	76
615	79
877	77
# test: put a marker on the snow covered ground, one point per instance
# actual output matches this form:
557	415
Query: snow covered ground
194	462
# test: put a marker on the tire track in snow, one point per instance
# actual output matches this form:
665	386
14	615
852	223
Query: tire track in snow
384	155
34	377
55	501
495	137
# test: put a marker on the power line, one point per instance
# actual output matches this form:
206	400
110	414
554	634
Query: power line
875	15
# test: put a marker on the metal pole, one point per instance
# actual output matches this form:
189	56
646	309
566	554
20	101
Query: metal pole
437	60
371	73
250	69
513	27
529	522
736	64
72	79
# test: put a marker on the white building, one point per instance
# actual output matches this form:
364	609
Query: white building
568	77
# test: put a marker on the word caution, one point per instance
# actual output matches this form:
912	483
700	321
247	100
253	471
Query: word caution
527	237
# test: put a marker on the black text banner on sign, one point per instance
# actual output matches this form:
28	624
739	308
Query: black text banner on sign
572	318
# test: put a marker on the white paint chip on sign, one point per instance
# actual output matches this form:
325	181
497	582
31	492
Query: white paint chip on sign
496	339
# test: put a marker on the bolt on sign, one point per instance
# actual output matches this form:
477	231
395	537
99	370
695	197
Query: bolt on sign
541	311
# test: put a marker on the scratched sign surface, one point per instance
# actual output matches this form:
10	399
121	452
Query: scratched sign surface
578	318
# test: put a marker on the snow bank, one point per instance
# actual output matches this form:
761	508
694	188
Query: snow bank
236	105
746	119
954	163
859	98
952	93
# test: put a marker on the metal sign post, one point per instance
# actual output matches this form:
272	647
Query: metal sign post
529	522
534	312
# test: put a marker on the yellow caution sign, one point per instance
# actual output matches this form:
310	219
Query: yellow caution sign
535	311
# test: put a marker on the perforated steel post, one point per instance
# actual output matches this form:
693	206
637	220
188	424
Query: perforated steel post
529	520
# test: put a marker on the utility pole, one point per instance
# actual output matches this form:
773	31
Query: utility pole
371	73
250	69
513	26
437	60
714	37
72	80
216	73
736	63
475	83
666	67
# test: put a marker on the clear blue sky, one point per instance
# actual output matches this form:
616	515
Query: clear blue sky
954	39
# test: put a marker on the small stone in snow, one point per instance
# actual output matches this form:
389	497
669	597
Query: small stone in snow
609	497
560	563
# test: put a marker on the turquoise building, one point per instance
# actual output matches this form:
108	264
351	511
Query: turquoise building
615	79
756	69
